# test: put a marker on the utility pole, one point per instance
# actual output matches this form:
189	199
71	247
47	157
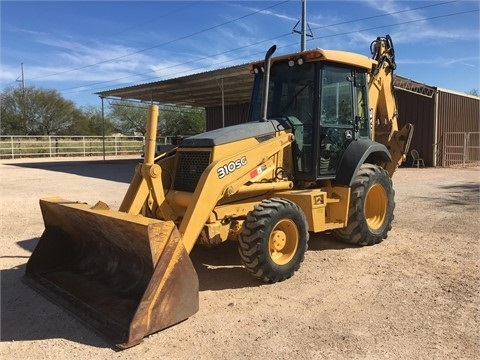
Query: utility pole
304	26
23	83
23	91
23	98
23	80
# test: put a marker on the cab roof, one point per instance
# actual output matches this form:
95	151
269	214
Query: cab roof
337	56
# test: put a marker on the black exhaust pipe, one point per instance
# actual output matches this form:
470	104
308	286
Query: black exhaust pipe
266	81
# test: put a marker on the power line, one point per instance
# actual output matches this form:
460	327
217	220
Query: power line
207	29
162	44
402	23
382	15
188	62
210	28
284	46
155	19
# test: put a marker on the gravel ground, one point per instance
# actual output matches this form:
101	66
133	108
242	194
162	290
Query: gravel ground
414	296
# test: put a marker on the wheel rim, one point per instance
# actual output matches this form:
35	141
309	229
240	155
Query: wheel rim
376	206
283	242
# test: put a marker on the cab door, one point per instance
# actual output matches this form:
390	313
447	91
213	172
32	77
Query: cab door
342	104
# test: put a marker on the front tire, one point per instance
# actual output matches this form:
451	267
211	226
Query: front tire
274	240
371	207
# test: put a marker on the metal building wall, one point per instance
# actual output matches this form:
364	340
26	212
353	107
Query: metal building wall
418	110
412	107
458	115
234	114
455	113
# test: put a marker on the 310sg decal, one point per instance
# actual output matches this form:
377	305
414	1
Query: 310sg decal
231	167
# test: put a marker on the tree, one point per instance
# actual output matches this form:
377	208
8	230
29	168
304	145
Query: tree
128	118
35	111
473	92
9	111
13	111
176	120
92	123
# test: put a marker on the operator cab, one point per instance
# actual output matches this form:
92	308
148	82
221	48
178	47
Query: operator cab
325	104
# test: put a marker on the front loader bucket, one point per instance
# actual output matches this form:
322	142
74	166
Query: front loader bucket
126	275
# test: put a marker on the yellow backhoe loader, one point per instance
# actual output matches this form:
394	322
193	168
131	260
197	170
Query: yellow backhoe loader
317	153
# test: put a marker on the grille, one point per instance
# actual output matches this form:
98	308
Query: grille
190	167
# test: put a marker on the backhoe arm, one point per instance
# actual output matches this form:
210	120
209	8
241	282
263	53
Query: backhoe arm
383	104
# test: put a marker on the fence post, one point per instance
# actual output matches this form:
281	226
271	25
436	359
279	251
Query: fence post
115	143
84	153
13	148
444	149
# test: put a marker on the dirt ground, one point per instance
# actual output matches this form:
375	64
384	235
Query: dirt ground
414	296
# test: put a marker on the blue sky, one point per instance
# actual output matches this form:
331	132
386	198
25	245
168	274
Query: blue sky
79	48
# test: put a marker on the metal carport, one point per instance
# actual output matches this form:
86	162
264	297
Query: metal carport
225	95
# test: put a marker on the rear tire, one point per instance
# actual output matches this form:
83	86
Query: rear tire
274	240
371	207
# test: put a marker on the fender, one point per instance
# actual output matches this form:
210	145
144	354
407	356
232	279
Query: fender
355	155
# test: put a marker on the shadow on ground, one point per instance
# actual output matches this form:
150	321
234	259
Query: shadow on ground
121	170
461	194
27	316
466	194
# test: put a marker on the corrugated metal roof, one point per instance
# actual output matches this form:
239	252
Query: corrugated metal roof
201	89
205	89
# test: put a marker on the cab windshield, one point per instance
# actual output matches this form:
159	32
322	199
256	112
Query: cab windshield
291	93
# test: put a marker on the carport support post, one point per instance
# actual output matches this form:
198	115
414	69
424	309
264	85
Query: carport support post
103	129
223	107
220	84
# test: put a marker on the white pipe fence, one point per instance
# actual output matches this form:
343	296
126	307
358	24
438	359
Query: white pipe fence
14	147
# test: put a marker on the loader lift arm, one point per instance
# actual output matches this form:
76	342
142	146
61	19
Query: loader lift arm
144	182
196	216
124	274
147	181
